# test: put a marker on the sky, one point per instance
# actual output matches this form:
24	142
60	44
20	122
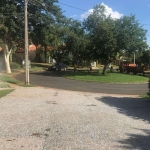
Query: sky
117	9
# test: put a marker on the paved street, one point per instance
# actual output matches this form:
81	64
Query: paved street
50	79
38	118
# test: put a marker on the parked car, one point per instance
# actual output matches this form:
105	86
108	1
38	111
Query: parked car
58	66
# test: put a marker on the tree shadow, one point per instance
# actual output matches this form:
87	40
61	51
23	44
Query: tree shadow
137	108
50	73
137	141
63	73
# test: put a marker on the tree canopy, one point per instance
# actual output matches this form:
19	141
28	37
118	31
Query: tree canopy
40	13
99	37
109	36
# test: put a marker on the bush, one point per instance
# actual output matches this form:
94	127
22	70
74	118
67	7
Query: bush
14	65
17	57
67	61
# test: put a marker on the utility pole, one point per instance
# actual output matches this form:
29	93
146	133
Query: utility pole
134	57
26	43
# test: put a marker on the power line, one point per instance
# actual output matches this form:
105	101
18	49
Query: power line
34	2
44	5
72	7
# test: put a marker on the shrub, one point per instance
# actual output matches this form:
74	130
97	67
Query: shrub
17	57
14	65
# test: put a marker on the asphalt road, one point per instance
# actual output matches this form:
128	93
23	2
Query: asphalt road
52	80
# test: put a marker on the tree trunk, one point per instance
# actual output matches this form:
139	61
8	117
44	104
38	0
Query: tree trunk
45	53
10	57
6	57
104	69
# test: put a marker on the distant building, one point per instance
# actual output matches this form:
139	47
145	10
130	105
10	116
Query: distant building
20	53
32	52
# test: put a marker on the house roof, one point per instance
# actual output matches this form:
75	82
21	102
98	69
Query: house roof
32	47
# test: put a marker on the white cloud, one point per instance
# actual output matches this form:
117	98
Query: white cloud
114	14
74	16
86	14
109	11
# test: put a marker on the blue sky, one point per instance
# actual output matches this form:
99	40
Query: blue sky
118	8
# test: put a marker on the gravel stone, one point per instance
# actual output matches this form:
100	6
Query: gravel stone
37	118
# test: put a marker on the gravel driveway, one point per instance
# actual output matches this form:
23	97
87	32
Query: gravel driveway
37	118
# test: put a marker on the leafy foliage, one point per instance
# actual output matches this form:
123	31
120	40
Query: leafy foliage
109	36
145	57
14	65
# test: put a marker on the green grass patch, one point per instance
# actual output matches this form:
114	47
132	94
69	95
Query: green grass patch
39	66
4	85
109	78
24	85
146	96
9	79
5	92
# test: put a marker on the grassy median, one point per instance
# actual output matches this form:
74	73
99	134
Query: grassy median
9	79
109	78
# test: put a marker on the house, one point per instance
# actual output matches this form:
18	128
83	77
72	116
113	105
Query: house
20	53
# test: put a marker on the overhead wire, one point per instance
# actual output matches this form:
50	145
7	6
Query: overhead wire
40	5
72	6
35	2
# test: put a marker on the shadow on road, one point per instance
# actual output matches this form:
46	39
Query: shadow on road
137	141
50	73
65	73
137	108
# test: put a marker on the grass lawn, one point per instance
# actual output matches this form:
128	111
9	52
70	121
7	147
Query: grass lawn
35	67
9	79
115	77
4	85
39	66
84	75
5	92
109	78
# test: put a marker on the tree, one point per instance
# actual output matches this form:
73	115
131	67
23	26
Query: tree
131	37
106	43
44	19
12	23
109	36
65	37
75	40
145	57
10	28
